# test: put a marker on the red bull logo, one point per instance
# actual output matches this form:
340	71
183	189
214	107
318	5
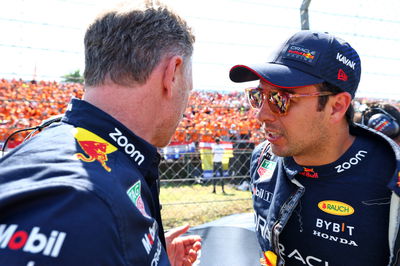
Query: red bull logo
309	172
304	54
308	55
95	148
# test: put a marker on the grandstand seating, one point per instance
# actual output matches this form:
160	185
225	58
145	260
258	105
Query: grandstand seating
208	115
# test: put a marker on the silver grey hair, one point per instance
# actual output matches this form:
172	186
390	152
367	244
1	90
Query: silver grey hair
126	45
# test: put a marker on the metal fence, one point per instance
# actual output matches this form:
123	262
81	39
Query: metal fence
187	195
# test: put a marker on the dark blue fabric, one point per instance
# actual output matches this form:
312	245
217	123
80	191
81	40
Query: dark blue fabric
286	197
306	58
323	228
64	195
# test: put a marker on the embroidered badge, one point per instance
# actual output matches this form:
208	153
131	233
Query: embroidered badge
95	148
134	193
266	170
302	54
309	172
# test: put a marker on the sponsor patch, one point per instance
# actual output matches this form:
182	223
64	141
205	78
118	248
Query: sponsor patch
302	259
134	193
31	242
309	172
352	161
95	148
301	54
335	207
342	75
345	61
266	170
149	238
269	259
127	147
341	233
262	194
157	255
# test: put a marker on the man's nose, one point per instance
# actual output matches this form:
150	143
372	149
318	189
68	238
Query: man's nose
264	114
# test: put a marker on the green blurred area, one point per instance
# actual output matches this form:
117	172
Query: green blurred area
196	204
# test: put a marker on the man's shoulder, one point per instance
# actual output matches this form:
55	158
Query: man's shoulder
57	223
382	144
375	137
43	163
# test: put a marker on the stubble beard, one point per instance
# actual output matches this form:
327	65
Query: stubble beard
313	147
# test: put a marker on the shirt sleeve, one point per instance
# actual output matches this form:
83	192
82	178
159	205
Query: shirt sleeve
59	226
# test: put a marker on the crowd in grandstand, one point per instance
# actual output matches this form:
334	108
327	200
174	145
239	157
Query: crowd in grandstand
26	104
209	114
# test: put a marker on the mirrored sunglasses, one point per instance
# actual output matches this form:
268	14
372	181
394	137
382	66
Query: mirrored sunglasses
278	101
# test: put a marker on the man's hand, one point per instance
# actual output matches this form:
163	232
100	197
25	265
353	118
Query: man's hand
182	251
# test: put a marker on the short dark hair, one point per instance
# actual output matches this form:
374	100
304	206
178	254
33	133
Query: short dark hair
126	45
322	100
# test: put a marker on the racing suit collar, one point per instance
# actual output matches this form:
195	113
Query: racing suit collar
145	156
326	170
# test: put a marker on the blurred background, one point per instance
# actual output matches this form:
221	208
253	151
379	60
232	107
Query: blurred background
42	61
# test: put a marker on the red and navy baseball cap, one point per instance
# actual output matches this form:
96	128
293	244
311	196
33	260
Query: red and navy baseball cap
306	58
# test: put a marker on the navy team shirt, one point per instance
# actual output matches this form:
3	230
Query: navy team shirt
81	192
342	218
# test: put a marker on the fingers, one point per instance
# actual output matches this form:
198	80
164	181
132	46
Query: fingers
189	240
175	232
195	247
191	252
190	258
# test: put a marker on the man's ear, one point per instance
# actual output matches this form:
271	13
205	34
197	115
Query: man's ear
173	68
339	105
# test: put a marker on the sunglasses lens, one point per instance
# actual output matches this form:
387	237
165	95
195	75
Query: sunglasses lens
278	102
255	97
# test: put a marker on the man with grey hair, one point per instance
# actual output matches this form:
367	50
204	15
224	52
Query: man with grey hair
85	190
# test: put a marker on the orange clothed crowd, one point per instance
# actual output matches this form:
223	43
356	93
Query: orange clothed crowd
212	114
208	115
26	104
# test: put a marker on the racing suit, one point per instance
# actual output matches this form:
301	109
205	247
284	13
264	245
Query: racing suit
84	191
280	202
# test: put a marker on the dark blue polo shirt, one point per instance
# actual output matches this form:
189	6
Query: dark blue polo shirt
82	192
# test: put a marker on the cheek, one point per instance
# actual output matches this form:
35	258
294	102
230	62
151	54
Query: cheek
303	126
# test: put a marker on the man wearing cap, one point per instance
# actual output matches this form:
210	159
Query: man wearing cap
325	190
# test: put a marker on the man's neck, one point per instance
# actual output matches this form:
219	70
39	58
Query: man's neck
128	105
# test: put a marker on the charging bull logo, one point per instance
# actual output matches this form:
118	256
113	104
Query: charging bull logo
309	172
95	148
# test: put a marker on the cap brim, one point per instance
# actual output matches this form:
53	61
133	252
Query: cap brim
275	74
